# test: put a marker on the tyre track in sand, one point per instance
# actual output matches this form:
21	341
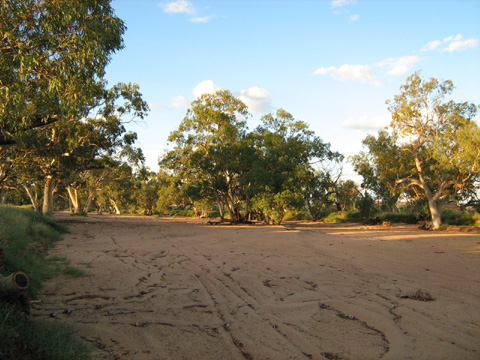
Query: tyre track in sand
177	289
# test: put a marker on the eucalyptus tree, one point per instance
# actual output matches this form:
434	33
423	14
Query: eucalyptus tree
53	55
381	166
320	186
435	143
206	157
62	151
287	150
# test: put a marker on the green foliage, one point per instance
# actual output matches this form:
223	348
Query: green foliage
74	272
400	217
210	151
381	166
274	206
52	60
299	216
25	236
430	151
365	205
335	217
22	338
454	217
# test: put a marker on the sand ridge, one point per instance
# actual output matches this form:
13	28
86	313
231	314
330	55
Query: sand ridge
170	288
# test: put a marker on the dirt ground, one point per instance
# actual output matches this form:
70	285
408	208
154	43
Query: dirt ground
169	288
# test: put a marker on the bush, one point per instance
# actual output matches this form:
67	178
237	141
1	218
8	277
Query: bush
366	205
401	217
339	216
455	217
296	216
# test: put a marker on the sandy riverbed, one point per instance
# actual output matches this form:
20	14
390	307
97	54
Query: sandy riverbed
163	288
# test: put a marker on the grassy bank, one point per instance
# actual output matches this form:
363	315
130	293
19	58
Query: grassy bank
25	236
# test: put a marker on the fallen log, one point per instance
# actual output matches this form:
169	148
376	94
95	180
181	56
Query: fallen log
13	290
13	284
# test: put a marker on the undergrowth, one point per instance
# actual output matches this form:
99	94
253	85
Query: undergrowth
25	237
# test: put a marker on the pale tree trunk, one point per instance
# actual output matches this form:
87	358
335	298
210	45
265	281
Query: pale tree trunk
220	206
309	209
73	196
89	203
47	208
232	209
115	206
196	213
435	212
431	198
33	197
99	206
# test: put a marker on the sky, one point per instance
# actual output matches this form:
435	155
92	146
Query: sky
331	64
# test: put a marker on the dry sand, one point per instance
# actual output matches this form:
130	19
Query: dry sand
163	288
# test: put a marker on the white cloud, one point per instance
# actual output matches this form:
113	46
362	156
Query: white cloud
450	38
432	45
180	101
341	3
256	98
365	123
361	73
203	20
205	87
179	6
156	106
354	17
398	66
461	45
455	43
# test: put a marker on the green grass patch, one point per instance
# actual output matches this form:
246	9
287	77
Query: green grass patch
74	272
25	236
21	338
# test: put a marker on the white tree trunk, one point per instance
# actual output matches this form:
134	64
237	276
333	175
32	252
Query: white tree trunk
115	206
435	212
47	208
73	196
33	197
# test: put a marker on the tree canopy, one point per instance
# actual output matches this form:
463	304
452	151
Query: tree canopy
432	148
53	56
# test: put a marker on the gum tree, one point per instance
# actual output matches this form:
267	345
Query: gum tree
438	142
208	158
286	151
53	55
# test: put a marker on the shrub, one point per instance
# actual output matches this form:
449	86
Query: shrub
455	217
296	216
365	205
401	217
339	216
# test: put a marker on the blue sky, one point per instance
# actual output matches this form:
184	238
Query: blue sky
331	64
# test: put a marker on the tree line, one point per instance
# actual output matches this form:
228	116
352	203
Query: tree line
63	141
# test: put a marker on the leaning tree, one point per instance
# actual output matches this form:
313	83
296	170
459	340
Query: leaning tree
436	143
